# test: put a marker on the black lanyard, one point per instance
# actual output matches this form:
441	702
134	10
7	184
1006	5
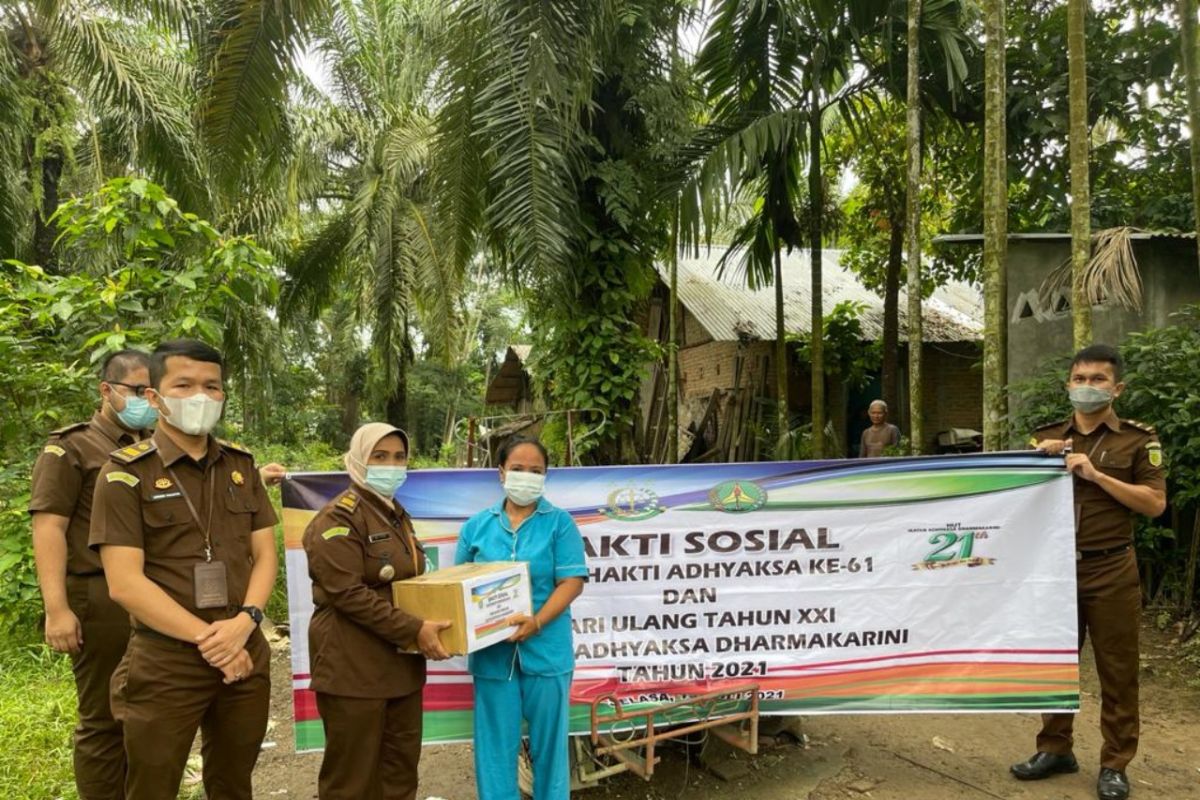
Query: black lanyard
205	527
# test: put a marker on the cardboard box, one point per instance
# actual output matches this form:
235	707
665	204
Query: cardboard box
475	598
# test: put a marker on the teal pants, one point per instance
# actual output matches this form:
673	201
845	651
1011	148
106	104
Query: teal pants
500	706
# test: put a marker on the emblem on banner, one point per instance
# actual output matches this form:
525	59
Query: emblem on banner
954	548
737	497
631	504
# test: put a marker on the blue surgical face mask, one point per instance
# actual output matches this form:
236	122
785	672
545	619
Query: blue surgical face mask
1089	399
386	480
138	414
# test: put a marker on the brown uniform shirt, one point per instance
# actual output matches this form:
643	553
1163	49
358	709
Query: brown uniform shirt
353	544
1128	451
64	477
140	503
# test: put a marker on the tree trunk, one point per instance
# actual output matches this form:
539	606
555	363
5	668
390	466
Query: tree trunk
818	321
1191	71
1081	197
916	404
397	401
995	232
890	377
782	418
672	398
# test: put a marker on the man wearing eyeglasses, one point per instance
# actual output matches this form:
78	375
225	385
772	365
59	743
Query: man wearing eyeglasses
81	619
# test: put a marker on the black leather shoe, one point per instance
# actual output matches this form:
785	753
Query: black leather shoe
1112	785
1043	765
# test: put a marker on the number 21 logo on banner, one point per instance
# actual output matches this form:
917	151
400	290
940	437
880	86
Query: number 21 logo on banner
954	549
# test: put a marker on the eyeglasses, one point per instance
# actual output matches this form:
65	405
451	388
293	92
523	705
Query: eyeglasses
139	390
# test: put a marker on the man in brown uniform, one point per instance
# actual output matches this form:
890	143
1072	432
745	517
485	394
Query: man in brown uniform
185	533
1117	466
368	688
81	619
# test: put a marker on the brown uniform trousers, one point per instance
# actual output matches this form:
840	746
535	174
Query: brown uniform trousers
1108	589
99	757
368	693
64	478
1110	602
163	690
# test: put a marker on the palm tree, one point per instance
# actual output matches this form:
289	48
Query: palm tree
190	92
819	46
374	241
547	158
1081	205
995	232
751	64
1191	71
913	227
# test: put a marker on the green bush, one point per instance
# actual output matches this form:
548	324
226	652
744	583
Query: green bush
20	598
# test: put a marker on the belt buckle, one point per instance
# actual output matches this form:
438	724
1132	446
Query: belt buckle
1079	555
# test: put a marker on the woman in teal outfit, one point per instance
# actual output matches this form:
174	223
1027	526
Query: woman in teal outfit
527	677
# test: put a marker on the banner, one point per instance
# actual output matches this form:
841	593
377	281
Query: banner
875	586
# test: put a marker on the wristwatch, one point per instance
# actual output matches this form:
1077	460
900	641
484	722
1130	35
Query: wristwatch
255	613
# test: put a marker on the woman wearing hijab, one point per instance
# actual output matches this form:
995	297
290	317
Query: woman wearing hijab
527	677
368	688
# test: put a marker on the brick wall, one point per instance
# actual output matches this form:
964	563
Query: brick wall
952	381
705	367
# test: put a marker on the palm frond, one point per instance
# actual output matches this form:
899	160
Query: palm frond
1111	275
251	55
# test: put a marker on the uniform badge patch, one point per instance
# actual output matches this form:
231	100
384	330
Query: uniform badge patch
333	533
348	501
122	477
237	478
54	450
163	483
374	538
1154	453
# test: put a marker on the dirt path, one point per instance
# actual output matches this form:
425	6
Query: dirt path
909	757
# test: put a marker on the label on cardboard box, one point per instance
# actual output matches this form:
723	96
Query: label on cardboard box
490	600
476	598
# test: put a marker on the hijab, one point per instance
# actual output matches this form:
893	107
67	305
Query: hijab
362	444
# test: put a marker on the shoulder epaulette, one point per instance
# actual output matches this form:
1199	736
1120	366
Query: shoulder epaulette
67	429
1049	425
237	448
1141	426
348	500
130	454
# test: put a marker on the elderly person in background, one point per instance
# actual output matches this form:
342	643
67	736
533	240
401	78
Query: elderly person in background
880	435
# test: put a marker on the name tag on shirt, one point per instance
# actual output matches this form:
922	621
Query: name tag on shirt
375	538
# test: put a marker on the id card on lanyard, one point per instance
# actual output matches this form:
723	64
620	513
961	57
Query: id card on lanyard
210	580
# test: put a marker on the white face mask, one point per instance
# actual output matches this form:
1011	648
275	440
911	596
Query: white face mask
524	488
196	415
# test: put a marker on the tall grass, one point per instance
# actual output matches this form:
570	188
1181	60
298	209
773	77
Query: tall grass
37	714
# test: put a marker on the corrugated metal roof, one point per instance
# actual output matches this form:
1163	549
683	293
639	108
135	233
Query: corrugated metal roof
728	310
975	238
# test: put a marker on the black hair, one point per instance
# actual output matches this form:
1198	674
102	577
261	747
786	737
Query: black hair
1100	354
188	348
516	441
116	366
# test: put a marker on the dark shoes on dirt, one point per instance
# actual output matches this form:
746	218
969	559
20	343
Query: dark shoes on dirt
1111	785
1043	765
